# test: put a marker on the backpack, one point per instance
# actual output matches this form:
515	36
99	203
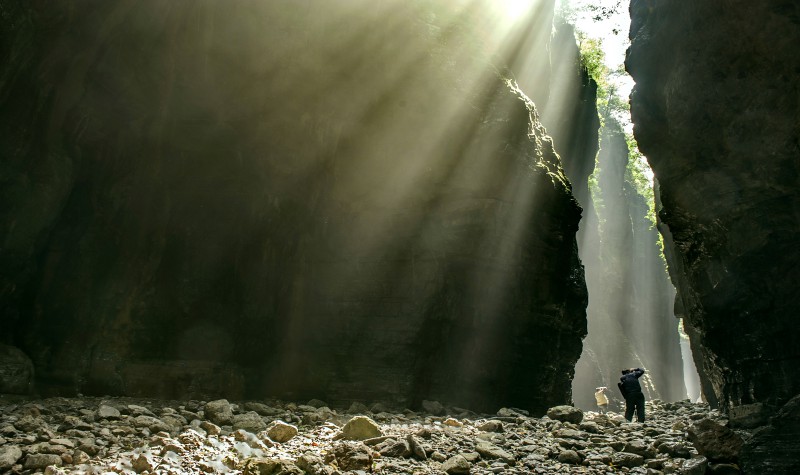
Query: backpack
621	389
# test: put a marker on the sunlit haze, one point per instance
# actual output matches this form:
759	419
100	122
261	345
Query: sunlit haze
630	311
612	30
514	9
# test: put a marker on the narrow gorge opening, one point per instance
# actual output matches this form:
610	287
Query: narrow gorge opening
631	318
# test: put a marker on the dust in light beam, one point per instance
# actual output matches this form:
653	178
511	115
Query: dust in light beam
514	9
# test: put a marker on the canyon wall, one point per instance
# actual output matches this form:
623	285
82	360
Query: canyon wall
342	200
570	114
715	109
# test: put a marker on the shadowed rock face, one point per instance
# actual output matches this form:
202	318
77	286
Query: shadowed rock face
248	199
715	109
571	113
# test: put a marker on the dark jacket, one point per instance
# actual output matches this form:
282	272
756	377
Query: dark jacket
630	382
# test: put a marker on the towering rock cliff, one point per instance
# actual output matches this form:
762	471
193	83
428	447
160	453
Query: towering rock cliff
570	114
716	109
249	199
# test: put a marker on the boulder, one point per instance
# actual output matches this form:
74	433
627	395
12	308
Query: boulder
261	409
279	431
569	456
394	448
357	408
249	421
314	465
353	456
491	451
491	426
153	424
42	461
416	447
624	459
456	464
9	454
695	466
219	412
107	412
433	407
142	463
675	449
16	371
360	428
266	466
565	414
715	441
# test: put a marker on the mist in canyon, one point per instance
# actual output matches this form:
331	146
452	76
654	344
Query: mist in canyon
630	311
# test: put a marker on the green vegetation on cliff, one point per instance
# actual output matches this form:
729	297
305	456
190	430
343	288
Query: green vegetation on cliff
612	108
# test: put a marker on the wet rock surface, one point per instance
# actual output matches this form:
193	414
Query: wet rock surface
59	435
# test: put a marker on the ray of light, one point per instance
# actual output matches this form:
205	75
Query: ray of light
370	208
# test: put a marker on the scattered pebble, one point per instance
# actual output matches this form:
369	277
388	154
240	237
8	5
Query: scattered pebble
126	436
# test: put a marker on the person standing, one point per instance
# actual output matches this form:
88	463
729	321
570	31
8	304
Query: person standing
601	399
634	398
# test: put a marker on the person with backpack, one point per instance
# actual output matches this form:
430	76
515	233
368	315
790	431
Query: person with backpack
632	392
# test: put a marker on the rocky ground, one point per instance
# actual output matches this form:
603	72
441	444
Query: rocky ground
127	436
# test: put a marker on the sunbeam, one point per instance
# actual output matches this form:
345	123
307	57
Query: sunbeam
515	9
434	218
342	179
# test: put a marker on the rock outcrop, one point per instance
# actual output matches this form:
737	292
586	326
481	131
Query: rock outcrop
212	199
773	447
16	371
715	109
570	114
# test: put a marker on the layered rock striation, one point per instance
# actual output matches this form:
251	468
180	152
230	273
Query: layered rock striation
249	199
715	109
